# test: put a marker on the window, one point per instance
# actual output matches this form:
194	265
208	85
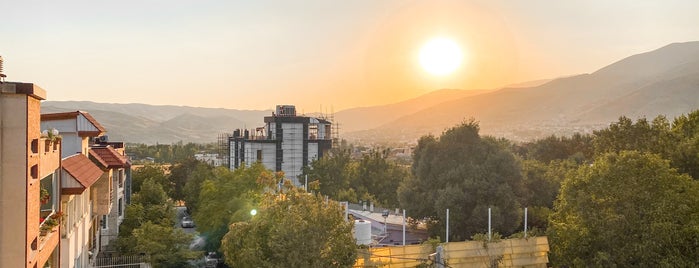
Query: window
35	146
313	132
259	155
103	223
121	178
35	171
121	208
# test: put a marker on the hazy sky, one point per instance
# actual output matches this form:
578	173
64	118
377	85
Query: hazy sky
339	54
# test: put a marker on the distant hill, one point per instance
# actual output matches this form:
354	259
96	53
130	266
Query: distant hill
364	118
165	124
664	81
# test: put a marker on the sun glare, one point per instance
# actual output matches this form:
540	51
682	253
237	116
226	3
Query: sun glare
440	56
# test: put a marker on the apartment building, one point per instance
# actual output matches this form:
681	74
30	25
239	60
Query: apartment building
110	157
30	186
80	235
286	143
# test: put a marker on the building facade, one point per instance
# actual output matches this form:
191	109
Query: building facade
29	181
110	157
286	143
80	236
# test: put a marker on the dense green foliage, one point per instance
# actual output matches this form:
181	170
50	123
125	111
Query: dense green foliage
467	174
292	229
540	185
156	173
578	148
627	209
621	196
148	228
373	177
180	174
168	153
227	197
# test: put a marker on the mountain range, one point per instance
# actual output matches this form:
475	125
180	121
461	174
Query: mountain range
664	81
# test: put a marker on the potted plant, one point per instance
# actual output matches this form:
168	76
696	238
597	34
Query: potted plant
48	226
44	196
58	216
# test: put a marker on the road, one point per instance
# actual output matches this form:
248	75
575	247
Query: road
197	243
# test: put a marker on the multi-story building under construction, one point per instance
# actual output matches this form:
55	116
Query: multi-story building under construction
286	143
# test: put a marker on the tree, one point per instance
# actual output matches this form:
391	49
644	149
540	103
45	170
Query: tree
228	197
179	176
150	171
642	136
373	177
192	187
166	246
156	204
627	209
293	229
467	174
685	153
148	229
577	147
378	178
333	172
541	184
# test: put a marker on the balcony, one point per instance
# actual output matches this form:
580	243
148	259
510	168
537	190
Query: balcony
49	153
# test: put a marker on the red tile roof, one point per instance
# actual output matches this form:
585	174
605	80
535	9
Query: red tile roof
82	169
70	115
108	157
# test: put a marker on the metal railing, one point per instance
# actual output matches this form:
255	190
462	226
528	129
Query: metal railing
121	262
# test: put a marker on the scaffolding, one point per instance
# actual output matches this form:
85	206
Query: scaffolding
334	126
223	148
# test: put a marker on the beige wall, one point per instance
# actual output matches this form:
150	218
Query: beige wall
13	175
102	193
21	169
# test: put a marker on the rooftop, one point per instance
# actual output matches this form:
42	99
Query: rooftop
72	115
82	169
108	157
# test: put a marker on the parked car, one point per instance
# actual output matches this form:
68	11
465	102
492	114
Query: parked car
187	222
212	260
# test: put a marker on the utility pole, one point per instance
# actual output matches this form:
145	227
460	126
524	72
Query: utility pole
404	227
447	239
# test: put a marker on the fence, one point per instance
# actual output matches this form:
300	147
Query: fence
531	252
122	262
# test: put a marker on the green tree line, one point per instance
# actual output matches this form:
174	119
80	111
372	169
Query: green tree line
168	153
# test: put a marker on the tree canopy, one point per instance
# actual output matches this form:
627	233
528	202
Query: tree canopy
227	197
627	209
148	228
292	229
467	174
373	177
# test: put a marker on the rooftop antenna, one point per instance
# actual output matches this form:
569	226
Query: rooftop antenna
2	75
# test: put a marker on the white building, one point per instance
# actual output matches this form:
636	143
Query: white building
286	143
82	186
211	159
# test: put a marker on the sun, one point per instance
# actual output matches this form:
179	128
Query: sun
440	56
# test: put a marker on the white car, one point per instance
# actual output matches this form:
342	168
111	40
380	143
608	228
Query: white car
187	222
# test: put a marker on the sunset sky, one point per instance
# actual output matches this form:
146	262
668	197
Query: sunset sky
334	54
